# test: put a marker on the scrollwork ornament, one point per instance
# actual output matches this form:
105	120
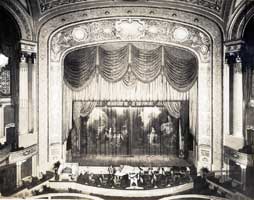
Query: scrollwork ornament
141	29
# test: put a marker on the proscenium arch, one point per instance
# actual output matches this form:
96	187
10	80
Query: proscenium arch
56	74
21	17
211	130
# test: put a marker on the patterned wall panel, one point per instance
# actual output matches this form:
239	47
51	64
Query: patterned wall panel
5	83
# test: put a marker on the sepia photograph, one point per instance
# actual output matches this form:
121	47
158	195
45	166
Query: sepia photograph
127	99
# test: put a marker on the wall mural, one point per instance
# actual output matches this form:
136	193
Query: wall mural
129	131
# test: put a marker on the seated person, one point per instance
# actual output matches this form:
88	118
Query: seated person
92	179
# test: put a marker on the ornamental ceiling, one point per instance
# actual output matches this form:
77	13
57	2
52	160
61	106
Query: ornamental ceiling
219	8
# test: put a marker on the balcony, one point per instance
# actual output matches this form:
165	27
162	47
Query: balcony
245	159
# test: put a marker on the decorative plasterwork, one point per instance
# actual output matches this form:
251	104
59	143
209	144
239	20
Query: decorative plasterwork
213	5
28	46
5	83
130	29
205	155
21	17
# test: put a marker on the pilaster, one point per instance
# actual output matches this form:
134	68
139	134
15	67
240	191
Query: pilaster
18	174
243	176
26	94
204	117
34	166
235	93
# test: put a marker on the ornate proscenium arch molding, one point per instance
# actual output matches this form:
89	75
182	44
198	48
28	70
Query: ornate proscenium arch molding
22	18
130	29
56	37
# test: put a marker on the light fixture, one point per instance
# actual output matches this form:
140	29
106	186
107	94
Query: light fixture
4	60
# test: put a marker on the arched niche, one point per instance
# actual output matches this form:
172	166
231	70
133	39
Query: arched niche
10	36
21	16
239	20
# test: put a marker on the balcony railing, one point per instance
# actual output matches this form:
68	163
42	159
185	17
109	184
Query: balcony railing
239	157
23	154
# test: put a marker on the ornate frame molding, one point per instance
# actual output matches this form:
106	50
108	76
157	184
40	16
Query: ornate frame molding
118	29
57	40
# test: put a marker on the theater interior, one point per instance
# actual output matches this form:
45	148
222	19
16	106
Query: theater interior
127	99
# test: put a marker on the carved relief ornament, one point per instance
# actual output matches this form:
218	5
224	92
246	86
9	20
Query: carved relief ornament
131	29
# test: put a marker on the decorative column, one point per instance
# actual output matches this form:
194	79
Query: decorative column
234	61
2	124
31	92
55	113
23	94
204	117
18	174
34	166
27	94
243	176
226	99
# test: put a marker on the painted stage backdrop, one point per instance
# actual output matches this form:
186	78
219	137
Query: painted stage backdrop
129	131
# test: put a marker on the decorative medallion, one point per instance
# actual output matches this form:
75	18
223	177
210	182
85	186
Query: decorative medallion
79	34
180	34
130	29
129	79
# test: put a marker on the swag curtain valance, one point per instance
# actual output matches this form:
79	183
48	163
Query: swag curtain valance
180	67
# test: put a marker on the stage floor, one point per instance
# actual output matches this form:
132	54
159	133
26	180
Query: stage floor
139	160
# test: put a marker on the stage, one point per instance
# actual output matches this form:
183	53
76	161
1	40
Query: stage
138	160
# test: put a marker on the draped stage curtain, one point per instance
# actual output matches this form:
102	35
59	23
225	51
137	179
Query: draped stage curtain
179	66
180	111
193	109
146	64
113	63
80	109
81	67
67	111
100	89
128	73
173	108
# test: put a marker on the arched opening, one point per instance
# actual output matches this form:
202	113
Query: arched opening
9	38
125	102
249	89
